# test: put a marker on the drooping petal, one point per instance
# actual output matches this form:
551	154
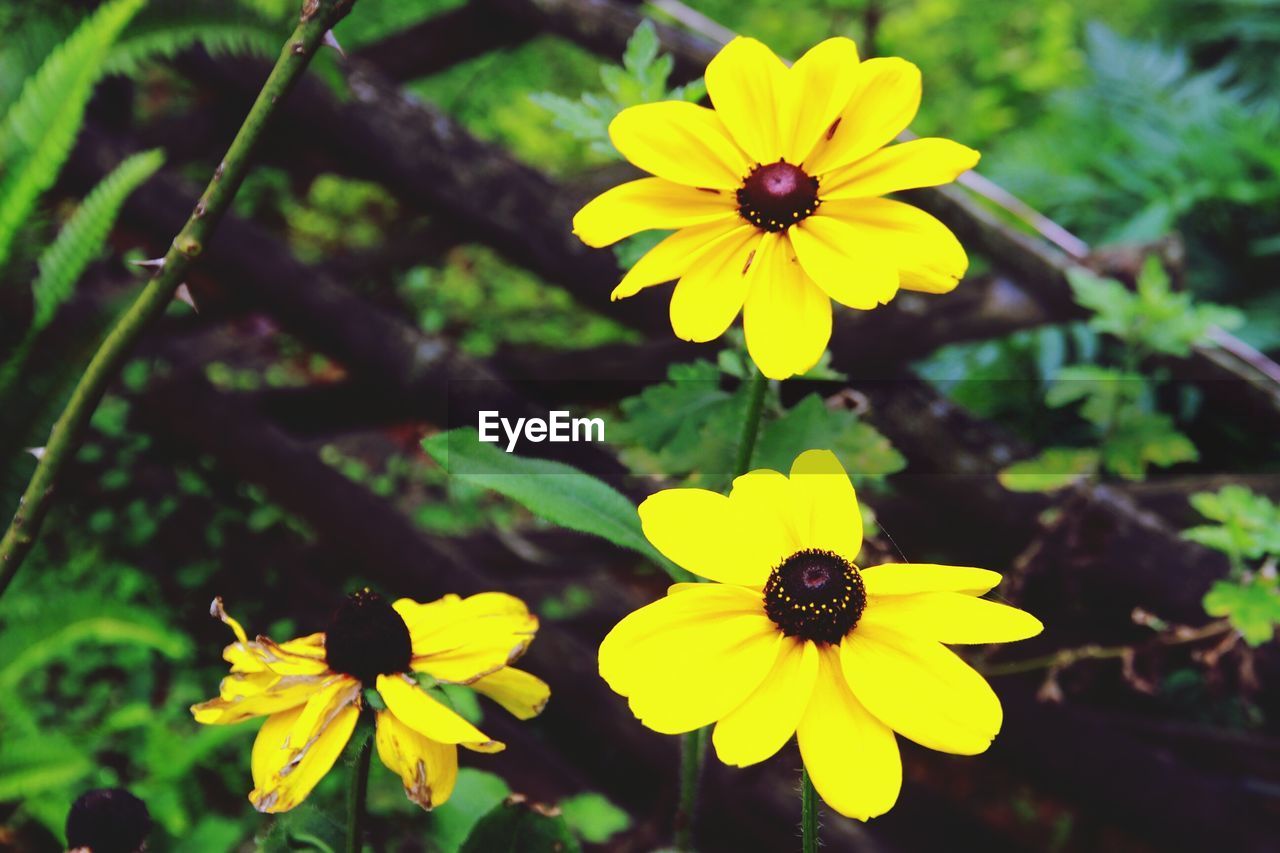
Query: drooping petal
762	724
285	768
648	203
459	640
826	504
751	93
681	142
522	694
822	81
429	718
921	689
844	261
850	755
884	101
710	294
689	659
254	694
927	255
323	706
950	617
428	769
787	318
918	163
909	578
704	532
672	257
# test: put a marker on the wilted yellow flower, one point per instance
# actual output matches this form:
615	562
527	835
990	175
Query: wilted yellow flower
775	198
312	690
794	638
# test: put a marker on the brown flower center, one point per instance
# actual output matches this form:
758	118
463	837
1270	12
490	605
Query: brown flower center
367	638
815	595
776	196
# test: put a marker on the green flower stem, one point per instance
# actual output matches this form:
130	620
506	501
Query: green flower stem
317	18
357	794
693	746
751	423
808	814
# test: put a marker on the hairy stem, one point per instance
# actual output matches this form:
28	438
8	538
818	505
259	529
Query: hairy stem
317	17
357	794
808	814
751	423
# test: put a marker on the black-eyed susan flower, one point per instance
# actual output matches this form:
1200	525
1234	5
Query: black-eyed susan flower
793	637
312	690
775	198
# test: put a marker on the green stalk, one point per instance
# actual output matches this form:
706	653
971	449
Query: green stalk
357	795
317	18
808	814
693	746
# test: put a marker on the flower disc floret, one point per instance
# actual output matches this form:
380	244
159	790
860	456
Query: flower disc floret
815	595
777	196
367	638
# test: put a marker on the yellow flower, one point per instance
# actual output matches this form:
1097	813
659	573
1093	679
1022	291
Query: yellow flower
774	196
793	637
312	690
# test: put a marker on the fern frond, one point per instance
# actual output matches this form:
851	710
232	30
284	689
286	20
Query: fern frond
81	239
37	134
215	25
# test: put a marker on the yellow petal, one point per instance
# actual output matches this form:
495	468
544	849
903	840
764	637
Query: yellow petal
681	142
826	504
219	612
921	689
822	81
950	617
884	101
751	92
688	660
918	163
429	718
927	255
762	724
459	640
704	532
522	694
763	500
908	578
428	769
649	203
851	756
323	706
787	318
710	294
285	772
672	257
246	695
844	261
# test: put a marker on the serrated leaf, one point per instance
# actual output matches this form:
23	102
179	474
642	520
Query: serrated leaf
1055	468
1139	439
1249	523
642	47
515	826
554	491
1252	607
593	817
865	453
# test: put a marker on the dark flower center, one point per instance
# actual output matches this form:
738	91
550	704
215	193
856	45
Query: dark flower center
367	638
108	820
815	595
777	195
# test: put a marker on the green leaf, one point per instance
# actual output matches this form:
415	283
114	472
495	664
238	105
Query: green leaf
554	491
864	452
475	794
1139	439
515	826
1055	468
306	827
1252	607
642	48
37	133
82	238
1248	523
1102	391
593	817
31	765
